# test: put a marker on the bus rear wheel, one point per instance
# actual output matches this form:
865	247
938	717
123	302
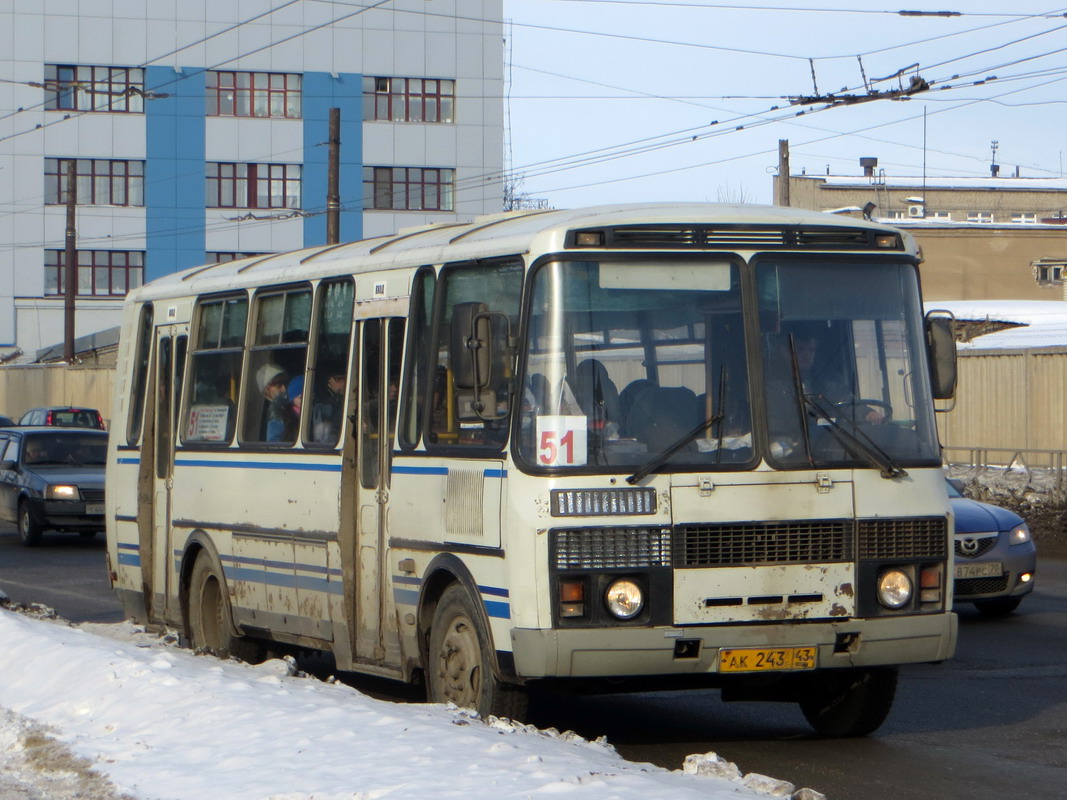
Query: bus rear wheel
849	702
460	662
210	621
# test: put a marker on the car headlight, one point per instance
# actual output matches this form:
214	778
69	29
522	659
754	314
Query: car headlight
61	492
894	588
1020	534
624	598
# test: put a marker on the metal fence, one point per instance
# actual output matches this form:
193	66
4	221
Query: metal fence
1041	470
30	386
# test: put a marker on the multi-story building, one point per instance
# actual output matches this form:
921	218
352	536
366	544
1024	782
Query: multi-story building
995	238
199	132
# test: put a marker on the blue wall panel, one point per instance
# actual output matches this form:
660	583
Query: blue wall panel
174	172
321	92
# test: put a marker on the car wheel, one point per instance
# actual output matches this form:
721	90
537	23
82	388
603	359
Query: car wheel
998	606
849	702
210	622
29	531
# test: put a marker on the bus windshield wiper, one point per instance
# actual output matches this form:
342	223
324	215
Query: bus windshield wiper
665	455
854	440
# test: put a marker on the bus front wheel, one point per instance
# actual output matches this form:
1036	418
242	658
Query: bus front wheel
849	702
210	618
459	665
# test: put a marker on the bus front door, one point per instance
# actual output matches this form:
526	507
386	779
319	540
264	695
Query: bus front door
381	348
170	362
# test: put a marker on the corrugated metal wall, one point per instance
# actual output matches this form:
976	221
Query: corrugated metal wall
1014	399
25	387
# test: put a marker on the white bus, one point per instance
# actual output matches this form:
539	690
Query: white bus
651	445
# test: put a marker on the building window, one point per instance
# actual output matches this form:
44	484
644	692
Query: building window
941	215
408	99
1029	219
78	88
253	94
253	185
980	216
898	215
101	273
408	188
221	257
100	182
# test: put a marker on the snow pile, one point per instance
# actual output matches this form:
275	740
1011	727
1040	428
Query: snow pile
132	715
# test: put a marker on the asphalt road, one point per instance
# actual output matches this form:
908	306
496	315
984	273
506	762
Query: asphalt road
989	724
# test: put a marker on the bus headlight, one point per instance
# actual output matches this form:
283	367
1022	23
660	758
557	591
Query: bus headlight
894	588
624	598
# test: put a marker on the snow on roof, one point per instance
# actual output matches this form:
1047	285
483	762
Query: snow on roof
1043	323
905	182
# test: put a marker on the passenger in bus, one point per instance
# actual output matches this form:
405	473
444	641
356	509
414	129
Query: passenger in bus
277	415
598	397
295	393
817	380
329	409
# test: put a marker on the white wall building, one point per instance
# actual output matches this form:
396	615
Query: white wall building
199	131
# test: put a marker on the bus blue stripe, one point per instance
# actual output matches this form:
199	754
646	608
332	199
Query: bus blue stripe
127	546
133	460
279	465
499	610
494	590
405	597
420	470
495	473
129	559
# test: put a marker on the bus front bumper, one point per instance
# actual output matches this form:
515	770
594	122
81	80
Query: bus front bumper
614	652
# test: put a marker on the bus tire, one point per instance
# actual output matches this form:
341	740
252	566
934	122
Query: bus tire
29	530
210	622
849	702
460	661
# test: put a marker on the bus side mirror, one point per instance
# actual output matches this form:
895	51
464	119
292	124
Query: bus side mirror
471	346
941	347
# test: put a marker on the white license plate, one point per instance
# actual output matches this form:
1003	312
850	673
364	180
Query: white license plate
984	569
94	509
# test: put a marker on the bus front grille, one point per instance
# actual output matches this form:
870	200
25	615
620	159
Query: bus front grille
748	543
923	537
611	548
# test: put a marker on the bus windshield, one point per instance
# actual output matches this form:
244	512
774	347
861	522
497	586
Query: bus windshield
844	375
642	364
626	358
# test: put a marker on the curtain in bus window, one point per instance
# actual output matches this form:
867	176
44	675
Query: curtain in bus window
215	378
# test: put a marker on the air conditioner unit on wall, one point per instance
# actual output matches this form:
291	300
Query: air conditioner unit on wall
915	211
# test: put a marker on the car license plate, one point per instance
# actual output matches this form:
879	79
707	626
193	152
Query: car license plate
983	569
94	509
766	659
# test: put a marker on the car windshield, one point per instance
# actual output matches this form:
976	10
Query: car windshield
49	449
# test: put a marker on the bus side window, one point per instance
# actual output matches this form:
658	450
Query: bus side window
218	345
483	299
140	380
417	366
327	388
274	385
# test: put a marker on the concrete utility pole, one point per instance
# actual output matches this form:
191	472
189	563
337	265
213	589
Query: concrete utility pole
70	272
782	195
333	179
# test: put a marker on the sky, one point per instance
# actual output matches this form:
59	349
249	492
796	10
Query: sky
112	712
588	80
